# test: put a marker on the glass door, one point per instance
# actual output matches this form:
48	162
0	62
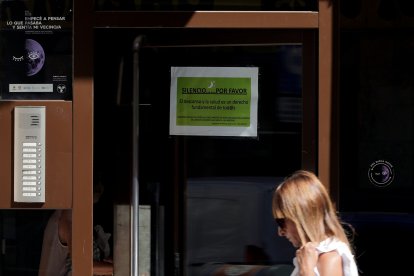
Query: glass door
376	128
206	199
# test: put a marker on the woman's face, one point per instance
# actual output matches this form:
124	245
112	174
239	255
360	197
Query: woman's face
290	232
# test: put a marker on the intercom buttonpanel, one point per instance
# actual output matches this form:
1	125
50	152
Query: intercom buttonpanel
29	154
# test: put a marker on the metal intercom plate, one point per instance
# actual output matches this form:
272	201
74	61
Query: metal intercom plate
29	153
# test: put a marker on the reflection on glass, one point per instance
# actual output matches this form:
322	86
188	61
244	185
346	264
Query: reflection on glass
229	222
230	227
22	234
193	5
224	218
377	120
57	237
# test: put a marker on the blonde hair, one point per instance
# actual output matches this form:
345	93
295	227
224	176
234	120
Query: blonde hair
303	199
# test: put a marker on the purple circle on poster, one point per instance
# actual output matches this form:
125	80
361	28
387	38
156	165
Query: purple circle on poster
35	57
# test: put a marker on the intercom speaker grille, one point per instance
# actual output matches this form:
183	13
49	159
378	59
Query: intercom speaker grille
34	120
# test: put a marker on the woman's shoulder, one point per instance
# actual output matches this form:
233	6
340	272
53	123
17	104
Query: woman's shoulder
331	244
330	263
334	252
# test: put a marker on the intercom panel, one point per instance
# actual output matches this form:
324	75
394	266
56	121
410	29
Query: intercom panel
29	153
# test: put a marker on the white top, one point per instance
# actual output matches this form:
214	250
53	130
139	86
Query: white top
54	258
330	244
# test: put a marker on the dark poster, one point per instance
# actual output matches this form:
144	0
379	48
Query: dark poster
36	49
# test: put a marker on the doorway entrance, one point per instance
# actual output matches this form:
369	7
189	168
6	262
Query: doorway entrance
204	201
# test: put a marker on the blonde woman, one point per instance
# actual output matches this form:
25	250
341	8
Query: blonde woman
307	218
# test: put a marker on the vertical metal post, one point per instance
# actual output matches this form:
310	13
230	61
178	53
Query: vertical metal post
135	153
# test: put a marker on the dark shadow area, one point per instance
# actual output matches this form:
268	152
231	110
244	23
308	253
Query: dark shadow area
21	232
381	241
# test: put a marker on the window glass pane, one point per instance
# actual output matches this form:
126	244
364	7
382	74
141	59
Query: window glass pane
229	189
30	243
193	5
208	198
377	111
229	180
377	129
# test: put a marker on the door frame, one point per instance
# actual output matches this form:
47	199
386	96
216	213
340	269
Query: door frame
86	19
